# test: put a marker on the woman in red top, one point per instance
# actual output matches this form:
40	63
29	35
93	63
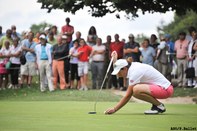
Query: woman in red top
83	64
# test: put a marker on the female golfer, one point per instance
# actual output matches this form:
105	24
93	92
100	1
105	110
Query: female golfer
145	83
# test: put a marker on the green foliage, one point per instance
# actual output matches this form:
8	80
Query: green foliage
40	27
99	8
140	38
179	24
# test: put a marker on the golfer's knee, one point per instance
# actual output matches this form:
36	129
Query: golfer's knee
136	90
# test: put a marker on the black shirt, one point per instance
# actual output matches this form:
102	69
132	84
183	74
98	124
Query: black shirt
59	51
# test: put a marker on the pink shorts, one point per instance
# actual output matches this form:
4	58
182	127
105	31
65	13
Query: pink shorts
161	93
3	70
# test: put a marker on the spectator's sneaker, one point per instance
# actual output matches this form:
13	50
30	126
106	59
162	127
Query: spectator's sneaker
124	89
113	88
53	91
195	86
85	88
43	91
82	88
10	86
156	109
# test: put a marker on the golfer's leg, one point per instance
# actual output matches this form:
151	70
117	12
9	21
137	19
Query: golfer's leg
142	92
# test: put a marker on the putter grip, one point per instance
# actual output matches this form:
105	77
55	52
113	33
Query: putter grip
110	64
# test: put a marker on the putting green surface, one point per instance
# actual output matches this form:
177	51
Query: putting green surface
73	116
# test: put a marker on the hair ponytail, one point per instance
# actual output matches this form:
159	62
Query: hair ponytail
129	60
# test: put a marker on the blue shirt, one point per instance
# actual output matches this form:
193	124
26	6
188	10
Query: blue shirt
148	55
135	56
17	35
43	53
171	44
28	55
2	35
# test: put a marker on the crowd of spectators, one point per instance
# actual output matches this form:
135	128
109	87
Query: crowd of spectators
59	59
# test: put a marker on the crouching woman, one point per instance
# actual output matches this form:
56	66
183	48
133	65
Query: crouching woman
145	83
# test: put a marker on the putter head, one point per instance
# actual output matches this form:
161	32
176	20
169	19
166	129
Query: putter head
93	112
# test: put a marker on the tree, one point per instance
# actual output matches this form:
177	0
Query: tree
40	27
99	8
179	24
140	38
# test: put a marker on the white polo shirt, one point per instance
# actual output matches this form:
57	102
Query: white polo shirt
139	73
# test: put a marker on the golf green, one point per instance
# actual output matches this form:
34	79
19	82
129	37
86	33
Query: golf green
73	116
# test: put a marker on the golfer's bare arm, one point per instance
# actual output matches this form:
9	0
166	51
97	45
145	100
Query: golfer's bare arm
126	98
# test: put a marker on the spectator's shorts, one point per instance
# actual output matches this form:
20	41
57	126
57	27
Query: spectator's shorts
161	93
3	70
28	69
82	68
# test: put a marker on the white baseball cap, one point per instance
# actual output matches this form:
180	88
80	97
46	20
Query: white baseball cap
118	65
64	37
47	28
42	36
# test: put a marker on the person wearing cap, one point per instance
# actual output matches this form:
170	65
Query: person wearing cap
162	57
44	58
67	30
14	33
58	63
14	54
145	83
7	37
66	61
51	38
171	45
46	30
117	46
37	40
181	48
29	68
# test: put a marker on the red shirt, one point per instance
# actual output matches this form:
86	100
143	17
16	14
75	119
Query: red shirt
68	29
118	47
86	51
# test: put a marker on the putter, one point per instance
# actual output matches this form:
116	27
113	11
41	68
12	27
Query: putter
94	112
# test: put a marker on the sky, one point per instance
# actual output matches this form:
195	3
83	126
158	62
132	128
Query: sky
24	13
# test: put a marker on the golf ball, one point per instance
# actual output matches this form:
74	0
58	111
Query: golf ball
104	112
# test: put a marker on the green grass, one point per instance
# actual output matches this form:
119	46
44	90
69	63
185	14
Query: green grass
184	92
73	116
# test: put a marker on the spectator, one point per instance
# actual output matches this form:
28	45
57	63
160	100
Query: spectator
46	30
51	38
58	63
181	48
67	30
66	61
54	29
92	36
123	40
191	58
148	53
131	49
106	64
37	37
171	45
118	47
7	37
14	53
162	57
44	57
1	34
78	38
97	63
14	33
4	55
195	48
74	64
153	43
83	55
191	29
29	68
